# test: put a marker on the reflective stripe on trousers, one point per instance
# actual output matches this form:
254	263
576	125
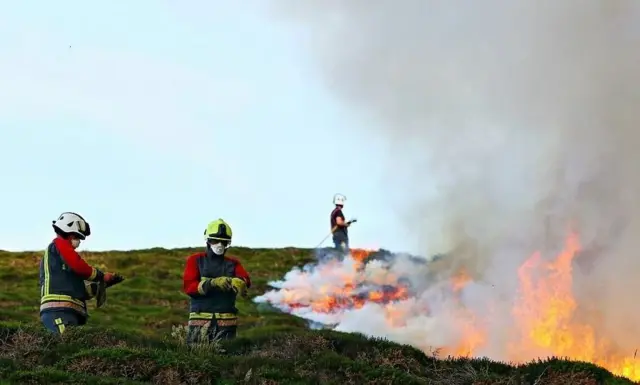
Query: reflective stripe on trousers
58	321
211	327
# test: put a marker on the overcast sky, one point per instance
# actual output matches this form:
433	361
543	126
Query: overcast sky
152	119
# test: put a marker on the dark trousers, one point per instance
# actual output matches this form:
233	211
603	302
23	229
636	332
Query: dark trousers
57	321
202	331
341	242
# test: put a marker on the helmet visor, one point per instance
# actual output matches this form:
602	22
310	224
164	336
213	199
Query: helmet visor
214	241
85	229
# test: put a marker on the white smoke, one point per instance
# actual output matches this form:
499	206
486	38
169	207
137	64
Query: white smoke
511	122
430	304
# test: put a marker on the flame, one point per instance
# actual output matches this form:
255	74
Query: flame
543	314
472	334
360	255
332	298
460	280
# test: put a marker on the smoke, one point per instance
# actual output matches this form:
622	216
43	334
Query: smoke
510	123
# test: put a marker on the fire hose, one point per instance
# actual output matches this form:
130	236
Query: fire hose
333	230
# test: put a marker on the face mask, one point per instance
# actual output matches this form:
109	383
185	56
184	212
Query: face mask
218	248
75	243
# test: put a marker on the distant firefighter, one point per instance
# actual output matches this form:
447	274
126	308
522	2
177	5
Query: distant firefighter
339	225
213	280
66	280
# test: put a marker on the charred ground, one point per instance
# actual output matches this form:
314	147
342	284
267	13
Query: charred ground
135	338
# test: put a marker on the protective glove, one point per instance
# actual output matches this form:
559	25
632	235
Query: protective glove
239	286
222	283
111	279
354	220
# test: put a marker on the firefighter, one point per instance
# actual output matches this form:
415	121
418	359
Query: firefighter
66	280
339	225
213	280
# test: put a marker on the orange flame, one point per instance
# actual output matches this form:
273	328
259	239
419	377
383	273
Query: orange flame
360	255
543	315
460	280
346	297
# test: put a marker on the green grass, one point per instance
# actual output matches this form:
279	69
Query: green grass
130	341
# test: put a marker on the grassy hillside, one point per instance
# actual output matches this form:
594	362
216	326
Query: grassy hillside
134	339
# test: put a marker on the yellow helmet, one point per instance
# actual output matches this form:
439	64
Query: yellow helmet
218	230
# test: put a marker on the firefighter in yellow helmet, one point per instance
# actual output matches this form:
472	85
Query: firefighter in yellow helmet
213	280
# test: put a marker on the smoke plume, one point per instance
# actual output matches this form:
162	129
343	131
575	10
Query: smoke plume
510	124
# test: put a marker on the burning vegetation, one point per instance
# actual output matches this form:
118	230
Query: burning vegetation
406	300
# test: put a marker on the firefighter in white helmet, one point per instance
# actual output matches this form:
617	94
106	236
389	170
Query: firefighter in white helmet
66	280
339	225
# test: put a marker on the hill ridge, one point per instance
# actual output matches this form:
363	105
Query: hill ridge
137	339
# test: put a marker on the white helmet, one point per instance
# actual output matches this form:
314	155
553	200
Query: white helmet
339	199
72	223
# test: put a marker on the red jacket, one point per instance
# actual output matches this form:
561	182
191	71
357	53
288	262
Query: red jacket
205	265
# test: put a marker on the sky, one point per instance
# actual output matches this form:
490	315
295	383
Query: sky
151	119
